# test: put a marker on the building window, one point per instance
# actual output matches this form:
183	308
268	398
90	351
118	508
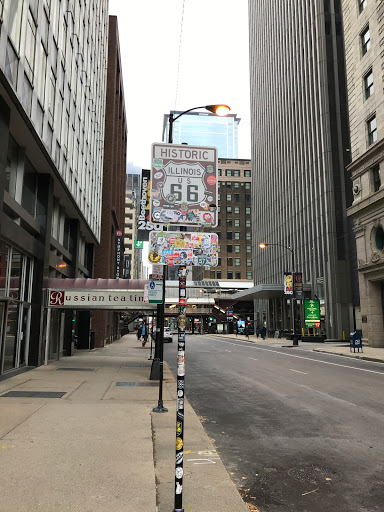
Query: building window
237	235
229	248
229	197
248	236
372	130
236	210
218	209
249	248
247	173
248	223
365	41
236	197
212	274
249	275
229	209
237	275
249	262
248	186
229	184
230	262
236	172
236	184
237	248
237	262
219	172
362	5
229	235
379	238
237	223
376	178
229	275
248	198
368	84
219	248
218	274
219	262
228	172
248	210
229	223
30	46
218	197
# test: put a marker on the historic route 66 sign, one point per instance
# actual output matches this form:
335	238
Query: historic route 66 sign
184	185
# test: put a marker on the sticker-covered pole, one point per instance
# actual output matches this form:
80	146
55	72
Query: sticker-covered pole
179	471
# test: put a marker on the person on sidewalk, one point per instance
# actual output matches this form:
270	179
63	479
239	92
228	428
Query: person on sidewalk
144	333
138	334
257	332
263	332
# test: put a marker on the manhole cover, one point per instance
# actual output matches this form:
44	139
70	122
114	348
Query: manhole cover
76	369
136	384
34	394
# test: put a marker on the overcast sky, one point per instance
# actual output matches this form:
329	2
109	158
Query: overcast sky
213	64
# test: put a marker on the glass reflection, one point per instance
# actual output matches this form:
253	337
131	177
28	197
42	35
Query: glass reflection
11	337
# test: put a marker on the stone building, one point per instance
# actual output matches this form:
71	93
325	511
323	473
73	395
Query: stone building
363	28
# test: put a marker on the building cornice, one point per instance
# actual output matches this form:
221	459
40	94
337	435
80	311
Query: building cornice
368	159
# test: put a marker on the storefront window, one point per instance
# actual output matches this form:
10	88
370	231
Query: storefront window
3	269
10	345
16	268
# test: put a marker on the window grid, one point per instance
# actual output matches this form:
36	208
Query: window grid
365	41
368	84
372	130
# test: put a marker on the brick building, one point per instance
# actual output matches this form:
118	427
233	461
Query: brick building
106	323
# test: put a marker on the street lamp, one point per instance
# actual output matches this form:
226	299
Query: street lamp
264	245
219	110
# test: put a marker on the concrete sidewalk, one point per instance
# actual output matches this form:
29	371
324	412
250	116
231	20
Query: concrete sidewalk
80	435
338	349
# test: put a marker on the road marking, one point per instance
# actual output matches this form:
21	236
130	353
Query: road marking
228	350
301	357
297	371
253	358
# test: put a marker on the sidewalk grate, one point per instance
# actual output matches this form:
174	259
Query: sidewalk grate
136	384
136	365
76	369
34	394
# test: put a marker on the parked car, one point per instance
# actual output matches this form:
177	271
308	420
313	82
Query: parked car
167	335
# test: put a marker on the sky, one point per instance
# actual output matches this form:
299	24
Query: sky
210	66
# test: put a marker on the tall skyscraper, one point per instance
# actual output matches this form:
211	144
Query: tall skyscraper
363	28
205	129
299	142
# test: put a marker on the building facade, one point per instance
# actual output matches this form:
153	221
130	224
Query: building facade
300	190
234	224
106	324
205	129
363	26
52	105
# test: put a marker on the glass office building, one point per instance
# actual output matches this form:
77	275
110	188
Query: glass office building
205	129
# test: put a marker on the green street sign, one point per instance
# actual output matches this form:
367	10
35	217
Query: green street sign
139	244
312	313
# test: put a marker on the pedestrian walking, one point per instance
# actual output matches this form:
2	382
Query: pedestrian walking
138	333
263	332
144	333
257	332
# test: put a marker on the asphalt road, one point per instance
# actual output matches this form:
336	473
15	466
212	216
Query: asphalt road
297	430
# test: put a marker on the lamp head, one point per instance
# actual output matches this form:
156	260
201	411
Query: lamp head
219	110
262	245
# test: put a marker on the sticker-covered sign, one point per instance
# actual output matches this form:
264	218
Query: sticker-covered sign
180	248
184	185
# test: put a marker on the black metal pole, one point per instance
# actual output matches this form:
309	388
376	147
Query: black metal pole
179	471
295	340
160	340
170	132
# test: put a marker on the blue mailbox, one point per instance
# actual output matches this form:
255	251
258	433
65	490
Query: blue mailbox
355	342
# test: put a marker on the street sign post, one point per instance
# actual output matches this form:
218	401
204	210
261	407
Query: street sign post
181	248
184	187
312	313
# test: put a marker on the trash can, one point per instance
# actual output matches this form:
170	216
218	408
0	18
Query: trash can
91	340
355	342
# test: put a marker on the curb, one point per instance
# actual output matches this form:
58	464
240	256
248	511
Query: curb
353	356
